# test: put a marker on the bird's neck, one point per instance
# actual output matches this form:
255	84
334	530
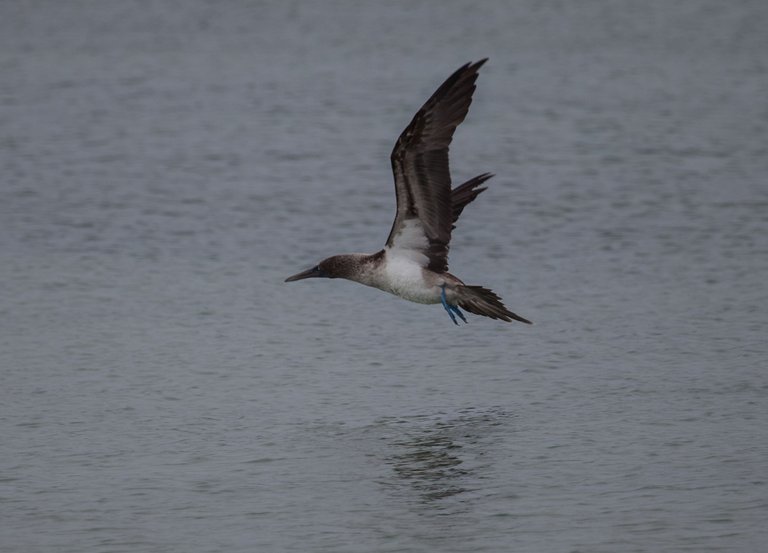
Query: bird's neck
358	267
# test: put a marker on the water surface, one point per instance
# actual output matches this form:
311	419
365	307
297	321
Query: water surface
166	165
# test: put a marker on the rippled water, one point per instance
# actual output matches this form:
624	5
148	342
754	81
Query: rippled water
164	167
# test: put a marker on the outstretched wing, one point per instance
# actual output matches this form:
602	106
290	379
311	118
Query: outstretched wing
420	165
466	193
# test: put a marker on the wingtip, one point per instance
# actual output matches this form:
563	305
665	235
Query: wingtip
484	177
472	66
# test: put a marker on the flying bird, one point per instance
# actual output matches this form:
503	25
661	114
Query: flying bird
414	263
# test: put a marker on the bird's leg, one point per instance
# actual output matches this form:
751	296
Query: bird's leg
446	306
451	309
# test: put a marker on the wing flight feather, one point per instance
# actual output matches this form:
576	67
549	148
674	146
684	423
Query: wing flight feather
420	166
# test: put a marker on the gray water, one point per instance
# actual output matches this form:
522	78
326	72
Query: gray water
165	165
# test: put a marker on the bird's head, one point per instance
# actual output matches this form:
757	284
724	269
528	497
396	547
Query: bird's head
337	266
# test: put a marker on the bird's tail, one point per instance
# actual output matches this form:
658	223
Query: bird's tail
482	301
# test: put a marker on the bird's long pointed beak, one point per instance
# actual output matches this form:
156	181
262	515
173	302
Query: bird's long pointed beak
309	273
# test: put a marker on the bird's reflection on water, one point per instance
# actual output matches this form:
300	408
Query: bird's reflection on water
439	457
432	465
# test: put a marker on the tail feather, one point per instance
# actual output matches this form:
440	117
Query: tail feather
482	301
465	193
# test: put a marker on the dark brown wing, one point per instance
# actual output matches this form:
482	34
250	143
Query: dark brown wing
420	167
465	193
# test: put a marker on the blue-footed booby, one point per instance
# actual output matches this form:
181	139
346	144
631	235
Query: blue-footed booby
414	263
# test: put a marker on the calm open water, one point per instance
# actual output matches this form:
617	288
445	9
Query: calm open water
165	165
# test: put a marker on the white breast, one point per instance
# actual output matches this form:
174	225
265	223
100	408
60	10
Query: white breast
403	275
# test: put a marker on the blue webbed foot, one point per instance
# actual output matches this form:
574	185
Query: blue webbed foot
456	310
451	309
